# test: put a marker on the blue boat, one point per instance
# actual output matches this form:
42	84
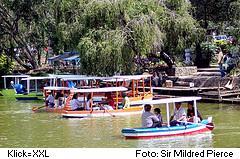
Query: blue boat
185	128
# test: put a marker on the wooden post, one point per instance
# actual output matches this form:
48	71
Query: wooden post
117	100
133	91
219	93
143	85
137	87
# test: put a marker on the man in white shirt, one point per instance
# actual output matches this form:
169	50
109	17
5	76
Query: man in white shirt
179	115
148	118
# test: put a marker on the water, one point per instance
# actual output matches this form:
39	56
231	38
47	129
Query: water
20	127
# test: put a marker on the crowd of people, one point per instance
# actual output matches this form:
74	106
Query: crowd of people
179	117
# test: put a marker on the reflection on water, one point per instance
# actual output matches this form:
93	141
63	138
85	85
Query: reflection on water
20	127
194	141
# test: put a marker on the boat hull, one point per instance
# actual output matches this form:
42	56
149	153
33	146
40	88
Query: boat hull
102	113
190	128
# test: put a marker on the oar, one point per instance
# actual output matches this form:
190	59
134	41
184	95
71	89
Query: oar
107	111
36	108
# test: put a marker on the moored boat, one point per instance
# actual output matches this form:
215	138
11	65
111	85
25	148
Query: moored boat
185	128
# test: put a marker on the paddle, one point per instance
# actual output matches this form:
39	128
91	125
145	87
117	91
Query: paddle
107	111
36	108
110	113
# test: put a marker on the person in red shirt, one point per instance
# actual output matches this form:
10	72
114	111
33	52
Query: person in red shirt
110	101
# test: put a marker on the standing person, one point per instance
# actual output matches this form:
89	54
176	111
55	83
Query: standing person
179	115
155	79
148	118
220	57
158	114
126	101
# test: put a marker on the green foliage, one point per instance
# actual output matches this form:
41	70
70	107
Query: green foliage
6	65
109	33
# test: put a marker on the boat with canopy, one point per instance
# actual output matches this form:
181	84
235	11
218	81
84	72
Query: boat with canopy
184	128
10	83
102	111
62	92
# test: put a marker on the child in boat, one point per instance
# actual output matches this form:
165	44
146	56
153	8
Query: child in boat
75	103
50	99
158	114
191	113
148	118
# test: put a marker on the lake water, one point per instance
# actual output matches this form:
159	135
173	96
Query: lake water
20	127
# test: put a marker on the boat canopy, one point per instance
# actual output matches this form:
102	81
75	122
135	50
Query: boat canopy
16	76
58	88
167	100
38	78
102	90
82	78
67	76
133	77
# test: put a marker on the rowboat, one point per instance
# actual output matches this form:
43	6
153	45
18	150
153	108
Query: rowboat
184	128
68	113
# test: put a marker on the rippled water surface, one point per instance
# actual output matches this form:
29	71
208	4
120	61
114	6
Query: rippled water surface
20	127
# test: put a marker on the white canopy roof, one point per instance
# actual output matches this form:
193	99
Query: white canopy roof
102	90
82	78
58	88
11	76
38	78
134	77
166	100
66	76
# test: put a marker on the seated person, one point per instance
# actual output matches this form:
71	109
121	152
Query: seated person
90	103
158	114
191	113
50	99
148	118
60	99
75	103
110	102
179	115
